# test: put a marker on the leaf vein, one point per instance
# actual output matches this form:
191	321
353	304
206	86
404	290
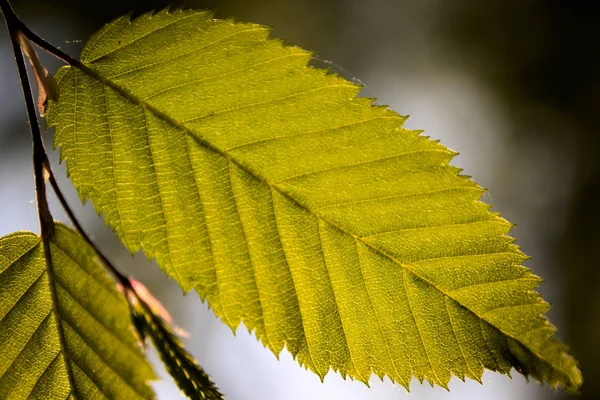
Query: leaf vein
23	295
160	196
87	375
396	196
337	307
92	277
56	357
292	277
412	313
429	227
262	103
252	267
89	345
360	163
143	36
21	256
201	204
521	278
170	59
89	312
274	138
385	340
29	339
462	352
112	153
214	77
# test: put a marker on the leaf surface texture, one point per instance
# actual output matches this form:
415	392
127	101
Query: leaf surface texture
297	208
100	355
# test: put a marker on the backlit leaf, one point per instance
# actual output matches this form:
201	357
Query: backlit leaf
296	208
74	329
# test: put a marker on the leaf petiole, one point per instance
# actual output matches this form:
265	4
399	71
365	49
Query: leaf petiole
39	159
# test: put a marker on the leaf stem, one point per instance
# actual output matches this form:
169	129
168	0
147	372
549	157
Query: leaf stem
200	382
18	25
41	161
39	158
56	52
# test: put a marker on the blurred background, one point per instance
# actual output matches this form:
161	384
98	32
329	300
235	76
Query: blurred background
513	85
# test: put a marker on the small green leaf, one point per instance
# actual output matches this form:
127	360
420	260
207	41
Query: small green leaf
100	355
296	207
184	369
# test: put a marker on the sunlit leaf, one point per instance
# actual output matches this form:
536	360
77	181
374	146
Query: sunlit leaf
67	337
296	208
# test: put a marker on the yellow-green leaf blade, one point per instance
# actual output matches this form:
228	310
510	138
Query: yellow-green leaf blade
102	355
297	208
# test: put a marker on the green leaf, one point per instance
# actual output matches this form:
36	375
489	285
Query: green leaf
73	329
291	205
180	364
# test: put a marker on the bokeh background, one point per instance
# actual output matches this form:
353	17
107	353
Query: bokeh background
513	85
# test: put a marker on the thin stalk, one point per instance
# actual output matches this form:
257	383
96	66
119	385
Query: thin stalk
41	161
43	171
18	26
58	53
48	47
39	156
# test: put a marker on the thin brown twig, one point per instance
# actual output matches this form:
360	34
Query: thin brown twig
17	27
39	155
42	162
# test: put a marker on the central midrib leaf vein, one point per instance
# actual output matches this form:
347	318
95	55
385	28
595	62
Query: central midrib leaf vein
127	94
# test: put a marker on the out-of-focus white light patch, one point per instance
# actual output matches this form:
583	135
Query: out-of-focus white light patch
453	108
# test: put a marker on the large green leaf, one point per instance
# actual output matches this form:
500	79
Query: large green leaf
74	329
295	207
